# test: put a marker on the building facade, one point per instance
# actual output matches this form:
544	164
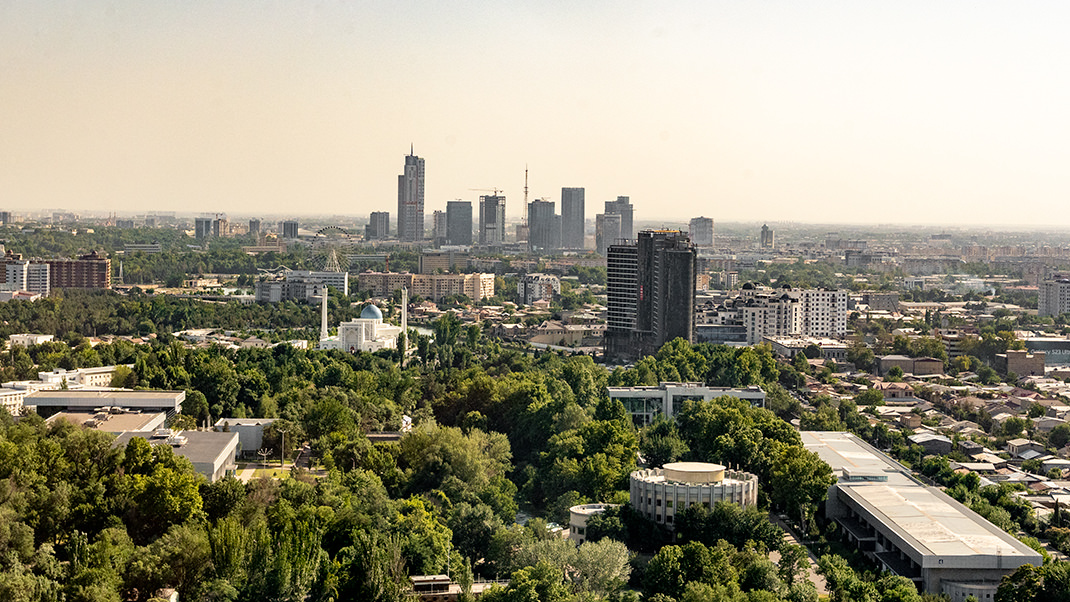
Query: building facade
459	222
607	231
92	270
438	227
543	237
411	199
701	231
428	286
622	207
655	287
290	229
492	220
300	285
767	241
660	493
572	218
533	287
1054	297
667	399
378	226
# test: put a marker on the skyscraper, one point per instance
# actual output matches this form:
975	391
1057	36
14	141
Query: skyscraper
459	222
378	226
572	218
202	227
411	199
650	294
492	220
622	207
541	224
768	240
701	231
254	228
606	231
289	229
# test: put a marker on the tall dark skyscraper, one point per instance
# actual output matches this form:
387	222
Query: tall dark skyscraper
492	220
572	218
378	226
459	222
411	199
254	228
289	229
541	225
622	207
650	293
768	238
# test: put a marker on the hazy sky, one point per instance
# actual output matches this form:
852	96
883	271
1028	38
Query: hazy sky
847	111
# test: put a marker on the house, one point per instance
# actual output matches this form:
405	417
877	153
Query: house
910	421
1045	424
1018	447
932	443
970	447
894	390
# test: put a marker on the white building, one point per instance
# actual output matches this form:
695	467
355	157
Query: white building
577	519
11	400
366	333
25	340
533	287
1054	297
824	312
658	493
27	276
300	285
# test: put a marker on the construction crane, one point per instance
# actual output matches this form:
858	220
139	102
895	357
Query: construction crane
494	190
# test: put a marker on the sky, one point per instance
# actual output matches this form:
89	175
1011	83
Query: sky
936	112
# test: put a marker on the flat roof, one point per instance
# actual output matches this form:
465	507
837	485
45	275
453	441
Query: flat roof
928	520
105	397
111	423
200	447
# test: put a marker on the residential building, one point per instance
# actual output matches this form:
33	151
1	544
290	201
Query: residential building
147	248
646	403
24	275
824	312
572	218
411	199
459	222
254	228
438	227
378	226
1054	296
443	260
92	270
607	231
912	530
544	233
622	207
428	286
300	285
655	287
659	493
701	231
767	242
532	287
492	220
290	229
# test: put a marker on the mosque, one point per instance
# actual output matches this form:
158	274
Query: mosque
367	333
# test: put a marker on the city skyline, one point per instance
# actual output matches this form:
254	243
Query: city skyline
809	112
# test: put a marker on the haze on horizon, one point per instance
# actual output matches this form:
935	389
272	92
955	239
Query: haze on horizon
853	112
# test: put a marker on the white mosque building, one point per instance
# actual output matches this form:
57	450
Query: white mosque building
366	333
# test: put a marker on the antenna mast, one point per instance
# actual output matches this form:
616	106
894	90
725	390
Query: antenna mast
525	185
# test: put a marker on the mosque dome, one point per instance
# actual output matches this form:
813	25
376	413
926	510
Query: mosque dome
371	312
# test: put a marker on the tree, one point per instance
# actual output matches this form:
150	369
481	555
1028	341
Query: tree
895	374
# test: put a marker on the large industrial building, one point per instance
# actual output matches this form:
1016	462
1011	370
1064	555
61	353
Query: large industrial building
645	403
910	529
658	493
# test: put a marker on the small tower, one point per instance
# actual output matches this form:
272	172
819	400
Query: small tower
323	312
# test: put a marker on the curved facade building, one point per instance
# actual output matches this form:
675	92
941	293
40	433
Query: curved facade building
577	519
658	493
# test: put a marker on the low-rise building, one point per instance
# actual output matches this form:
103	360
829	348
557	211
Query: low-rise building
49	401
114	421
250	432
26	340
911	530
789	347
577	519
1020	362
932	443
645	403
659	493
367	333
212	454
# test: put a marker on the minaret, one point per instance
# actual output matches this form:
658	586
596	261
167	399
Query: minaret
323	313
404	323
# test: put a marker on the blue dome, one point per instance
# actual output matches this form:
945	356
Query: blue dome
371	312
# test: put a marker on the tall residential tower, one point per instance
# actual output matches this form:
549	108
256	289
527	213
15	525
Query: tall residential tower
411	199
572	218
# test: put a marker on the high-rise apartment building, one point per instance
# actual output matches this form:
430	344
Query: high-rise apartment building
701	231
92	270
824	312
543	229
23	275
572	218
378	226
254	228
438	227
768	238
492	220
650	293
622	207
1054	296
607	231
220	226
459	222
411	199
289	229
